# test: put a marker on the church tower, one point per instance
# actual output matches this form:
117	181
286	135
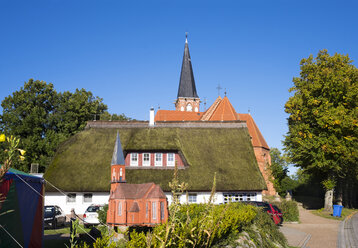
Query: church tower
118	170
188	99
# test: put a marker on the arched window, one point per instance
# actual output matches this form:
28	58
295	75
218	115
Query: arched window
182	108
196	109
189	107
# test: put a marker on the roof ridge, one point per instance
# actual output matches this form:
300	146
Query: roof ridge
206	116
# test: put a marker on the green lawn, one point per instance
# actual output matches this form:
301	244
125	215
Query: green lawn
64	230
345	212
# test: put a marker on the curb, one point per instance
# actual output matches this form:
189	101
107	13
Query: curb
304	242
346	234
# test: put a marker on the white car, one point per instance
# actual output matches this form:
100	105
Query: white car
90	217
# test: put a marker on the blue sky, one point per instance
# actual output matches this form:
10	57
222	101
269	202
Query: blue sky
130	52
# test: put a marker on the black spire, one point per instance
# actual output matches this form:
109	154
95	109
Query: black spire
187	83
117	157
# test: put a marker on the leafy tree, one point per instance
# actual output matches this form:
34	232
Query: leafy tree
42	118
106	116
323	119
279	171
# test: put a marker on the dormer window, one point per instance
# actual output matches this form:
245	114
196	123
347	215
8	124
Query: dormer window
146	159
134	159
170	159
158	159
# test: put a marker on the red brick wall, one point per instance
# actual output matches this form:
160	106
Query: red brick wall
264	161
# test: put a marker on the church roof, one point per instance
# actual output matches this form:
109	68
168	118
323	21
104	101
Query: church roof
257	138
82	163
117	157
187	83
224	111
137	191
174	115
220	110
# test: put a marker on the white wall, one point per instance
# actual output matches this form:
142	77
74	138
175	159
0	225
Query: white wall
56	198
203	197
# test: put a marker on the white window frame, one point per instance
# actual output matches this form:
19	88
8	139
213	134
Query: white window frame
119	208
134	162
192	198
154	210
71	198
170	163
157	162
87	196
145	163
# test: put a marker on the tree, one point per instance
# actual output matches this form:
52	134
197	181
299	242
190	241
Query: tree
323	119
42	118
279	171
106	116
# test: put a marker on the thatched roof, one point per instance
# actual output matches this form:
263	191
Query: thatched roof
82	163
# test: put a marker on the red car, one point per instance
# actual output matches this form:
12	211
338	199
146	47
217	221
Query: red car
272	210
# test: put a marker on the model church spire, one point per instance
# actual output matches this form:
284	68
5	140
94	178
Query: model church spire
118	170
188	99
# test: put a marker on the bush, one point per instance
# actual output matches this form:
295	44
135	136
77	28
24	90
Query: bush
265	233
102	214
289	210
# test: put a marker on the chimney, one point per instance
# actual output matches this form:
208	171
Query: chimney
151	117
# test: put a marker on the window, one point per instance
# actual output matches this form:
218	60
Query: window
189	107
192	198
158	159
162	210
146	159
182	108
146	210
154	210
87	197
170	159
196	109
134	159
236	197
119	208
71	198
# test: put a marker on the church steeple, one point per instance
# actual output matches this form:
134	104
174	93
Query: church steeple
188	99
118	169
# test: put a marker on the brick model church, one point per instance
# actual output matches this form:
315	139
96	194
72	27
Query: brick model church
187	108
133	204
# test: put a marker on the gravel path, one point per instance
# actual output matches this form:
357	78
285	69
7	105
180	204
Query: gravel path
312	231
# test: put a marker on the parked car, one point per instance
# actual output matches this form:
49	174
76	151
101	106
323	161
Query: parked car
90	217
271	209
54	217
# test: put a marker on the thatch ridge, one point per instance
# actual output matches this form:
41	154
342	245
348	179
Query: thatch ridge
82	163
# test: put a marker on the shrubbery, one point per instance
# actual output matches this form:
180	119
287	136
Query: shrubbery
289	210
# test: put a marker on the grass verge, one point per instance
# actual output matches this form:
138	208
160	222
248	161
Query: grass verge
329	214
65	230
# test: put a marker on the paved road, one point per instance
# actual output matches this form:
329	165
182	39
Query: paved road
312	231
348	232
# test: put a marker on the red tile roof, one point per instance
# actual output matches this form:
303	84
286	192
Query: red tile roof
257	138
174	115
220	110
137	191
224	111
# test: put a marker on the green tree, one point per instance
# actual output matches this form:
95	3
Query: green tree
279	171
106	116
323	119
42	118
